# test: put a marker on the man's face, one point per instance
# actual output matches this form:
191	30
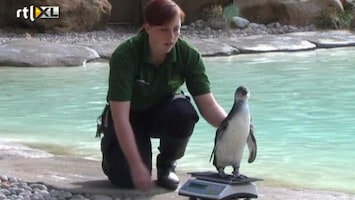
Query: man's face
163	38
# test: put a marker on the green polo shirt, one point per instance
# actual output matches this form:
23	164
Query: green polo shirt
133	76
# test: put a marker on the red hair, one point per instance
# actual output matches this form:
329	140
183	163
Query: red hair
160	12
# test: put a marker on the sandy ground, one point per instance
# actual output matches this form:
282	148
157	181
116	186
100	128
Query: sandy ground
85	176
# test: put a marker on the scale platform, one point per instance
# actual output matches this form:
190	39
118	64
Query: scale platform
210	186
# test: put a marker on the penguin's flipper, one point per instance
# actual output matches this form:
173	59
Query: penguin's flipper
212	153
219	133
221	130
251	141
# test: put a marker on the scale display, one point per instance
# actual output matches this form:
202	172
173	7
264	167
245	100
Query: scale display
208	185
219	191
204	188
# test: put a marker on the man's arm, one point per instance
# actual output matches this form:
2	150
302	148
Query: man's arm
210	109
140	174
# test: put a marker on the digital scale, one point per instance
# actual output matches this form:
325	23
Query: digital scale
209	185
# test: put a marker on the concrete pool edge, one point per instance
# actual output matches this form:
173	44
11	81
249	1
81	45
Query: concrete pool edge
47	54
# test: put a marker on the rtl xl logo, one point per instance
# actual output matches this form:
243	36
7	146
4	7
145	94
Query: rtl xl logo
34	12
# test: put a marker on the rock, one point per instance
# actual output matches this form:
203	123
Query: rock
290	12
3	178
210	47
74	49
327	39
352	23
239	22
74	15
38	186
270	43
217	23
104	49
199	24
40	54
13	179
193	9
100	197
60	194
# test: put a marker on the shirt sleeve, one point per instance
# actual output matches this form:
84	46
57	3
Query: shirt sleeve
197	81
121	75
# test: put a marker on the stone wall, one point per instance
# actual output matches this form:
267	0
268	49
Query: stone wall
74	15
291	12
131	11
87	15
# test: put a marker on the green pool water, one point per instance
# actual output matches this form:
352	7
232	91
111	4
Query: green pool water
302	105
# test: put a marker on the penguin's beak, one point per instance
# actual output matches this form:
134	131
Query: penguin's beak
242	97
242	93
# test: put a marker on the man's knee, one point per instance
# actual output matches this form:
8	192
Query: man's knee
179	118
182	109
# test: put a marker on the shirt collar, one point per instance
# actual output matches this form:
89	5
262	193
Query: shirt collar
171	58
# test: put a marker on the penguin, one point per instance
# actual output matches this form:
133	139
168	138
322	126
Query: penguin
233	133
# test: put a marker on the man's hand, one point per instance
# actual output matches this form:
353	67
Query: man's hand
141	178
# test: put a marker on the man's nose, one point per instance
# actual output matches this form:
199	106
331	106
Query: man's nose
171	34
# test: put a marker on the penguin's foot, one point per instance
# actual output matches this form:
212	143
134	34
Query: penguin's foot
239	176
221	173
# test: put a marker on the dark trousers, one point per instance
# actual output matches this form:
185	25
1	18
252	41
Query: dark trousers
172	121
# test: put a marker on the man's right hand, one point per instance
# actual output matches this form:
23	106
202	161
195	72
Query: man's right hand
142	178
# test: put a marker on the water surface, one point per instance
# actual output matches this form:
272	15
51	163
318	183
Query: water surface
301	102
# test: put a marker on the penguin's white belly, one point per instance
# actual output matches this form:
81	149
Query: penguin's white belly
230	146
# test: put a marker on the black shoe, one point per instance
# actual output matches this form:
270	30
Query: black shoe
168	179
170	149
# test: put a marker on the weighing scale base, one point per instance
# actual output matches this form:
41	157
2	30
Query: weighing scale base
192	198
210	186
228	179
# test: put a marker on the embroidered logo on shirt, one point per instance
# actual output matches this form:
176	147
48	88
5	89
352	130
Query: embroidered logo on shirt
175	83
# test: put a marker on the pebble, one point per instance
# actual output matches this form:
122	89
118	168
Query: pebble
197	30
11	188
